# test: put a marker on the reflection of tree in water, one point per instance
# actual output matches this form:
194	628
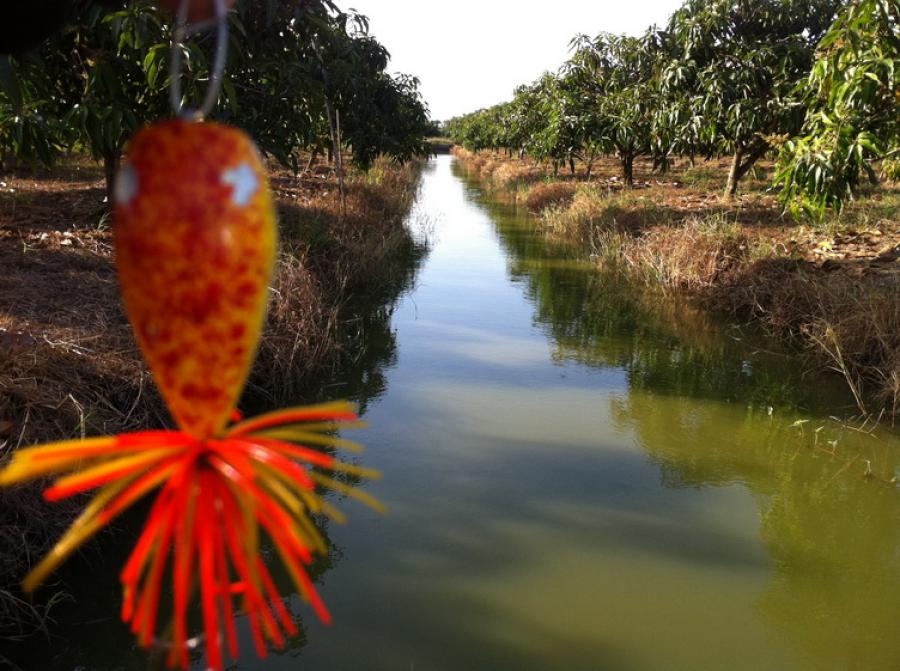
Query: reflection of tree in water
698	402
832	535
85	632
843	534
662	344
368	339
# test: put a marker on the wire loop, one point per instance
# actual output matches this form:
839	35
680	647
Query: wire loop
183	29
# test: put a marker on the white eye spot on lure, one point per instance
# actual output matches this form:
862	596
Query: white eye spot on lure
126	187
244	181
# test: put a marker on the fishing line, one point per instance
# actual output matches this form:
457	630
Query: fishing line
183	29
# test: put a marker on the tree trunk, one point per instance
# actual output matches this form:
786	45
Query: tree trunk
628	170
571	165
555	168
334	151
734	174
312	160
339	161
110	169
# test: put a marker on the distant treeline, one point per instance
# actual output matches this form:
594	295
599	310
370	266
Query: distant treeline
301	76
813	82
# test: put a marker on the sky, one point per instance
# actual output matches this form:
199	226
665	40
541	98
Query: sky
471	54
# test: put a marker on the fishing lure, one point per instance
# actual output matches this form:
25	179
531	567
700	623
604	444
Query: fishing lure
198	10
195	239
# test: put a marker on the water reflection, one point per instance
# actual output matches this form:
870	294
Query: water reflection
664	344
370	342
832	536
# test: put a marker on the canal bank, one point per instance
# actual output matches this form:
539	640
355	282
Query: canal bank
831	290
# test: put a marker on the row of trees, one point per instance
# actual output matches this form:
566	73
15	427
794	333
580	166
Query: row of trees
815	80
302	76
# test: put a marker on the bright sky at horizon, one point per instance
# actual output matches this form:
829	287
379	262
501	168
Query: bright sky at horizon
471	54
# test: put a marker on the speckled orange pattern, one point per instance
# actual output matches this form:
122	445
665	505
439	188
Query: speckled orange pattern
195	239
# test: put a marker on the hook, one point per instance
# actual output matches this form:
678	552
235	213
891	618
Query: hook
182	30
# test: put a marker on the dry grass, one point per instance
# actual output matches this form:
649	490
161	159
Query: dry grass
461	153
514	176
583	219
833	288
846	317
68	363
490	167
596	210
694	255
26	530
849	322
483	164
328	260
543	196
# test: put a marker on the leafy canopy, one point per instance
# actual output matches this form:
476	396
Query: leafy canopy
853	98
295	67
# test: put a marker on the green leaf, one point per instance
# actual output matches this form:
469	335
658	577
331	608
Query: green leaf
231	95
9	83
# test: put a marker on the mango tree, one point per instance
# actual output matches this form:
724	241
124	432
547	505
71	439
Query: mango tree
120	60
524	119
32	103
272	86
584	120
853	98
475	131
93	84
385	116
614	80
735	64
555	136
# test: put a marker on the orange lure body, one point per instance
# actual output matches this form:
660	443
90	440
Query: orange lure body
195	241
198	10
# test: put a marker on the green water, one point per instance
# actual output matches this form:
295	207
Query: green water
580	478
